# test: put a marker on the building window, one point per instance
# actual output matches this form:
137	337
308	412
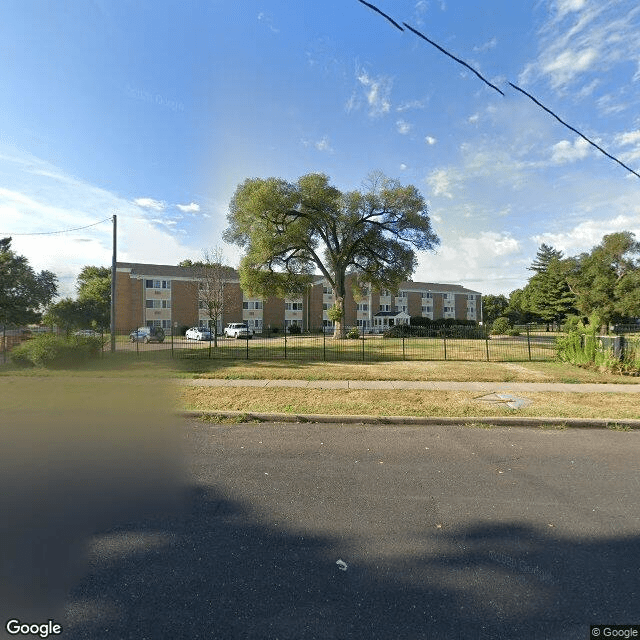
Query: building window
427	295
252	304
294	306
327	290
158	284
448	309
363	306
426	309
385	307
166	304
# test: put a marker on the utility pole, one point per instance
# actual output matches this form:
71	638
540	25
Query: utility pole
113	285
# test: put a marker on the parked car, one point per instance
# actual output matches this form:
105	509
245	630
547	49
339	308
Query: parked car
147	334
198	333
88	333
238	330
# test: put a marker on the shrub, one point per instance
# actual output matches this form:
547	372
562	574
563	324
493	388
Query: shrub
501	326
353	333
419	321
52	351
295	329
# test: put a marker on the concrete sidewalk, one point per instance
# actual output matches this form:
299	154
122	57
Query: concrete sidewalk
498	387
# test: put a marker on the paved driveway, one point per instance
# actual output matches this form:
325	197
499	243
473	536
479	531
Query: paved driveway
296	531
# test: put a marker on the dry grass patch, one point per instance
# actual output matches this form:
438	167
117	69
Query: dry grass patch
405	403
413	370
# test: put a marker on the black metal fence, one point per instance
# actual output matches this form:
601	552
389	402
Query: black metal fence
444	343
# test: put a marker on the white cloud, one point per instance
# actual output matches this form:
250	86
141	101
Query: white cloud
564	151
412	104
403	167
150	203
587	234
430	140
490	44
266	19
630	137
193	207
441	182
377	93
568	64
323	145
474	118
483	262
569	6
584	36
45	199
403	127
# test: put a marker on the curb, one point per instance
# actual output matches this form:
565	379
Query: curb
576	423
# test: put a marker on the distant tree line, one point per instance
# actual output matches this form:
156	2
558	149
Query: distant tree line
604	281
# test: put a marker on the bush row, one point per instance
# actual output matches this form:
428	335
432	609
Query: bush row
445	330
52	351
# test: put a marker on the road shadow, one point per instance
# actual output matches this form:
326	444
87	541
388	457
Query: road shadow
216	571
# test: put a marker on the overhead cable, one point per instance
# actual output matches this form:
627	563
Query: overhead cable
468	66
47	233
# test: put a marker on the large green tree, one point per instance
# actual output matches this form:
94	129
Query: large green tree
289	231
92	308
23	292
493	307
94	295
606	280
548	293
544	256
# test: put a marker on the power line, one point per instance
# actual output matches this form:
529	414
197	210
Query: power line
574	130
391	20
462	62
47	233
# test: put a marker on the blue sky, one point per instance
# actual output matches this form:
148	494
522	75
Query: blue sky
156	111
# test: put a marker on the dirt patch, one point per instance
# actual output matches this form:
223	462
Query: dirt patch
530	374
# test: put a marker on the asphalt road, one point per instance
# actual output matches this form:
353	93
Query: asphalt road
306	531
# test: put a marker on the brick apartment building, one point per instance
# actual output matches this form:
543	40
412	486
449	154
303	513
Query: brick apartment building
167	296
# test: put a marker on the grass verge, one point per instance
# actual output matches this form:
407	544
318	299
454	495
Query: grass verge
405	403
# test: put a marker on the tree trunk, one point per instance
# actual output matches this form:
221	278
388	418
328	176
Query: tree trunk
339	332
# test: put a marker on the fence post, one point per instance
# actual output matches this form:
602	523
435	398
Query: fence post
285	343
528	342
172	341
444	337
403	347
486	339
324	344
362	344
247	341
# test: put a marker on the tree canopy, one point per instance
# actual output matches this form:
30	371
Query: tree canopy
289	231
607	279
92	308
493	307
23	292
